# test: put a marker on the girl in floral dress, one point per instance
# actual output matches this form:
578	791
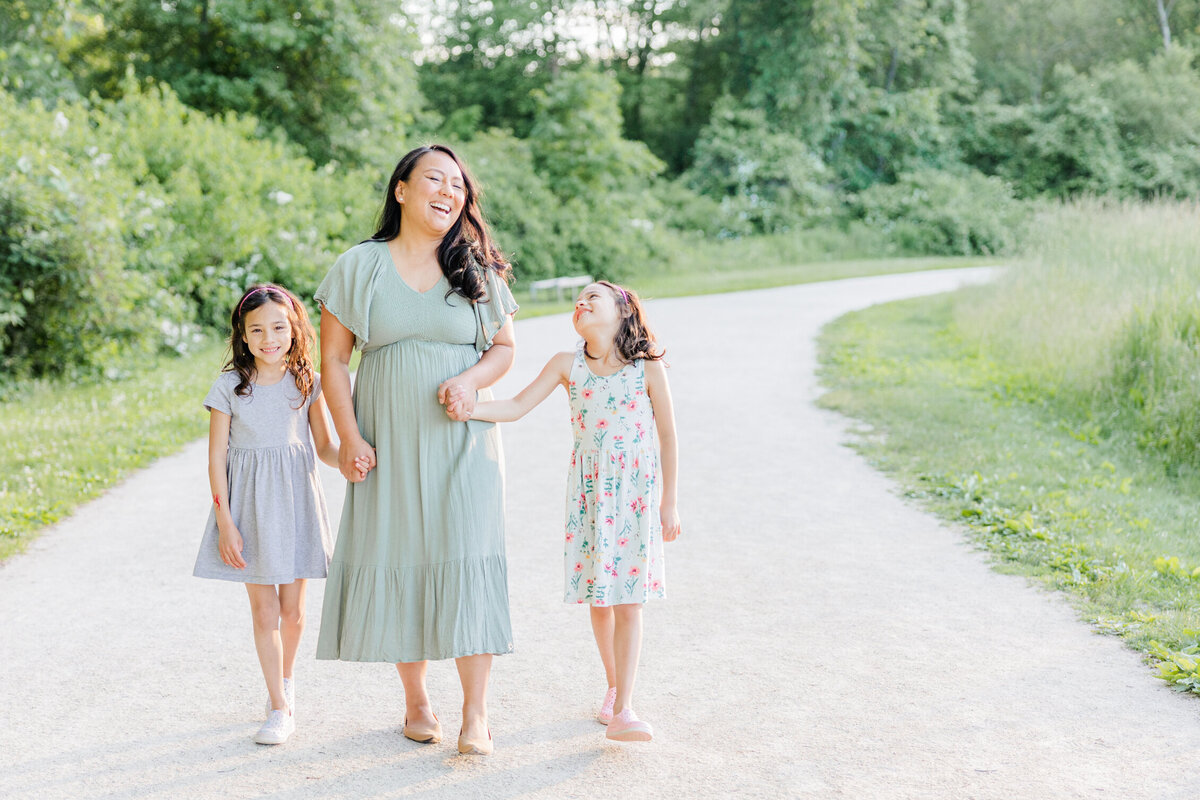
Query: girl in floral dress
621	493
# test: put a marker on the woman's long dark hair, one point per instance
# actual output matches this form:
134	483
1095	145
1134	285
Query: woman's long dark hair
299	357
634	338
467	250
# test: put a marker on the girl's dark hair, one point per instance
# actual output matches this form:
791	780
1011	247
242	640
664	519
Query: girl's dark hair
467	250
299	356
634	338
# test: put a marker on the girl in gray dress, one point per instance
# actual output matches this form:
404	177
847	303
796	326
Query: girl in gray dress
419	572
268	527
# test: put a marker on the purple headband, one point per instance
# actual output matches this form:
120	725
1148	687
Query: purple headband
253	292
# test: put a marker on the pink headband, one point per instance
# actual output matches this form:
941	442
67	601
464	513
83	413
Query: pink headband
624	294
253	292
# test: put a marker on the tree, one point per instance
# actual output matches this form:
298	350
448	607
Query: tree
335	75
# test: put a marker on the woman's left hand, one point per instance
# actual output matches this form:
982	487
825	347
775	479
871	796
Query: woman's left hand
458	396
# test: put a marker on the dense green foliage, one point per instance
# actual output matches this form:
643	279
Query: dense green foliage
123	229
230	142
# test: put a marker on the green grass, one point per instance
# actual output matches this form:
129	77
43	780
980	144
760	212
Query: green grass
1051	490
63	445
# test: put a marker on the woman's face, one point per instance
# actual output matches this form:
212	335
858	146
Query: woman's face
434	194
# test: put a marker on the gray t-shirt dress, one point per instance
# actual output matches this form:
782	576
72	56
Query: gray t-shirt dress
419	570
275	493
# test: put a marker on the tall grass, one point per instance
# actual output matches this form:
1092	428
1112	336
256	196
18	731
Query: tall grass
1102	311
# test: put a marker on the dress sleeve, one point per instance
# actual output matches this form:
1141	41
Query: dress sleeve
493	311
220	396
316	390
346	292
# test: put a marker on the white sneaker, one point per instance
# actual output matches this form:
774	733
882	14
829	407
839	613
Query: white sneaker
276	730
289	694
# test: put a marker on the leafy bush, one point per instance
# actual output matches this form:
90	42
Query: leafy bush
763	178
126	224
930	211
605	212
75	290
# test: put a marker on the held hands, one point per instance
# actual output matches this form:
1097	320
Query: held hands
458	396
355	459
671	527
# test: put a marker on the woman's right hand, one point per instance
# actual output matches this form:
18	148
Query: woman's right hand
355	459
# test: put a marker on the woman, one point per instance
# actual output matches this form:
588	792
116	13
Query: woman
419	571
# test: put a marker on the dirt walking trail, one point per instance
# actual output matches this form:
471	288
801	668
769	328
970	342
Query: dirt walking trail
822	638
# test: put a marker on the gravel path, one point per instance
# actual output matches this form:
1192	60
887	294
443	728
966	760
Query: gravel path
822	639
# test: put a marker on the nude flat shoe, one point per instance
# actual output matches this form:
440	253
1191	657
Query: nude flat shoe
475	747
429	734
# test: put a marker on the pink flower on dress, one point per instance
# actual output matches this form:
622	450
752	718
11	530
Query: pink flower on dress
608	520
634	571
622	541
633	405
578	567
602	424
587	394
656	585
570	536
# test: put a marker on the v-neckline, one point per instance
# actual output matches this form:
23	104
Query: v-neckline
396	271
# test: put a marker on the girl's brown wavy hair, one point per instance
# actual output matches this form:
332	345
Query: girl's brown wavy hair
299	356
634	338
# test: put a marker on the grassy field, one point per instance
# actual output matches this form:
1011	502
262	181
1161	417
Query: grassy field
62	445
1050	415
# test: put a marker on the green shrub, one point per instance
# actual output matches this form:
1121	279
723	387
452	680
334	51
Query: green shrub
936	212
764	179
124	225
76	288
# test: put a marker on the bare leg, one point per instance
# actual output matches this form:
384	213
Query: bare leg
627	649
417	709
291	615
473	672
264	608
602	629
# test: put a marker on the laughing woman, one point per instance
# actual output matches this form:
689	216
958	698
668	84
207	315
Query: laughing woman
419	570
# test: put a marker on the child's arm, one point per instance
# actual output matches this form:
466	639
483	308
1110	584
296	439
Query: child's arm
327	449
229	541
664	420
557	371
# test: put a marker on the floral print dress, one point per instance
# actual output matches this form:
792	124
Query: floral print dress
614	551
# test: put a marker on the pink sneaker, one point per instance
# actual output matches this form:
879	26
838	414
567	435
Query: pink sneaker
626	727
610	698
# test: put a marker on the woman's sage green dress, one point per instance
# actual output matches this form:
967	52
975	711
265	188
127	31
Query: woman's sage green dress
418	571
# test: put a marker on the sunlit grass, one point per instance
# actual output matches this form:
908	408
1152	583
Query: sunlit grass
1054	414
61	445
